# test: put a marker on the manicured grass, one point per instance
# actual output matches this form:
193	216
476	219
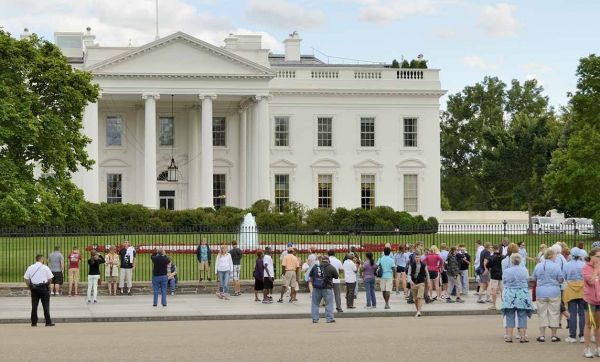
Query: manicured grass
18	252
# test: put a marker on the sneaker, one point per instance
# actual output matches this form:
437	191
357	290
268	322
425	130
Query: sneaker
449	300
387	306
598	352
587	353
418	314
581	339
280	301
339	310
570	340
315	321
331	321
95	302
458	300
89	301
481	301
172	293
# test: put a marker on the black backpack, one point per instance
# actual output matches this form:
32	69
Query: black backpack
319	280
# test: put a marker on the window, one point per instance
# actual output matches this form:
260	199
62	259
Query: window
325	191
324	131
367	132
282	131
410	193
113	131
367	191
167	199
282	191
219	132
166	131
114	194
219	195
410	132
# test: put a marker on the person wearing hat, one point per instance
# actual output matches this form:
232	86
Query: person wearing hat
417	275
573	294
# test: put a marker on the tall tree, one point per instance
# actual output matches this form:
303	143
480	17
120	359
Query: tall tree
574	173
41	106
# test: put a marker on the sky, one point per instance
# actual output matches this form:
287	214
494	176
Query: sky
466	39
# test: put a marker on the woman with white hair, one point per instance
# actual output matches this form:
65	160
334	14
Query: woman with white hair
516	301
548	277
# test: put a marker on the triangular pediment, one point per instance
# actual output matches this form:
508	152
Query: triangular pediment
370	163
283	163
177	55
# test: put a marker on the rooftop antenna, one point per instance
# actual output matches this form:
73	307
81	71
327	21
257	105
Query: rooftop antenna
157	36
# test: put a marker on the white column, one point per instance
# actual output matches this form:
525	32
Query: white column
242	178
139	154
150	190
255	155
206	163
193	158
264	145
90	181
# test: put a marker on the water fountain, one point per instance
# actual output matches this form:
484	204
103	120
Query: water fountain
248	238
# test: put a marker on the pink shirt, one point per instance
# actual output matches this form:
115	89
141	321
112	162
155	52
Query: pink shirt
591	287
434	262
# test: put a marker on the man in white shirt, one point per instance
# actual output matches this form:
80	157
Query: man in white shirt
337	264
350	269
269	276
478	250
37	278
504	247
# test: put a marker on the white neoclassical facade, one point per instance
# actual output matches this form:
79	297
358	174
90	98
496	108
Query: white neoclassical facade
243	124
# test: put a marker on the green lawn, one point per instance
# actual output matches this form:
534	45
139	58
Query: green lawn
17	252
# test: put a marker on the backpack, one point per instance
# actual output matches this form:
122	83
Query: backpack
319	280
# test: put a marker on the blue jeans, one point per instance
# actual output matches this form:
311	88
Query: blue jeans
370	292
576	310
509	318
172	284
464	280
159	282
317	295
223	281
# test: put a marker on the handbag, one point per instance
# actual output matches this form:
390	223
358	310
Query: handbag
379	271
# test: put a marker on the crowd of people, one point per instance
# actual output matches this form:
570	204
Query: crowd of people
565	281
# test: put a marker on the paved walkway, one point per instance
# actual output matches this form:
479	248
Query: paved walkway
208	307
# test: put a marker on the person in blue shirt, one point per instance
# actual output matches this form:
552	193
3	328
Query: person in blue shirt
573	294
516	301
386	263
400	259
203	255
549	278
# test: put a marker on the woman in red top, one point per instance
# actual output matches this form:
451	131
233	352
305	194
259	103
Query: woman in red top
434	263
591	296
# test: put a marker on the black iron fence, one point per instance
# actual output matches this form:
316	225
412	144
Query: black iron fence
19	247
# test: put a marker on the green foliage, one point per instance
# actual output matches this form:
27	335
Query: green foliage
41	106
395	64
405	64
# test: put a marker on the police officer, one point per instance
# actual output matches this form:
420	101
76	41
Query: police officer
38	277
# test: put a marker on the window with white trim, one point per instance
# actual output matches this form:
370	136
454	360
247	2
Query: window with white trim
325	191
166	137
410	132
367	132
282	191
166	199
282	131
324	131
367	191
219	191
114	131
411	198
114	191
219	132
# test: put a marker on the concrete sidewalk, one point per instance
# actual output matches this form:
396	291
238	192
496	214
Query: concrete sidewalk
65	309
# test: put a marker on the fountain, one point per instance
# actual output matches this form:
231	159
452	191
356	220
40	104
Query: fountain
248	238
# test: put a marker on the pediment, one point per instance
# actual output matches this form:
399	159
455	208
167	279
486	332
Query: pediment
325	163
370	163
411	163
221	162
177	55
114	162
283	163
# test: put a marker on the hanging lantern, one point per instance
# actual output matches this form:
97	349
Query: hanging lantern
172	171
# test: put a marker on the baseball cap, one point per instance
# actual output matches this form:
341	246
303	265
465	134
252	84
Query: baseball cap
577	253
596	244
290	244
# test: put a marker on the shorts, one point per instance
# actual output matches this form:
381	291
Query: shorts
74	275
433	275
495	284
289	279
418	291
400	269
258	284
203	266
444	278
112	279
484	278
386	285
268	283
58	278
236	272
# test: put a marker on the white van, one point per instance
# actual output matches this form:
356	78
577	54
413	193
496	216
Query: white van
579	225
547	225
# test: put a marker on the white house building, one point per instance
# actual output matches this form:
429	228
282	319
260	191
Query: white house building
243	124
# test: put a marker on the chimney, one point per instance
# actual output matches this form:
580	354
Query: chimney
292	47
88	38
25	34
231	42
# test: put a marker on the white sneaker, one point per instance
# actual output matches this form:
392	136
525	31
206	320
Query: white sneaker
581	339
598	352
587	353
570	340
418	314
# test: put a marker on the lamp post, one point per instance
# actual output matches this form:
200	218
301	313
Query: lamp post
575	232
504	222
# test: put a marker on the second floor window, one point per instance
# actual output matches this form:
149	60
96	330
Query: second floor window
282	131
219	132
410	132
367	132
324	132
166	131
114	131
